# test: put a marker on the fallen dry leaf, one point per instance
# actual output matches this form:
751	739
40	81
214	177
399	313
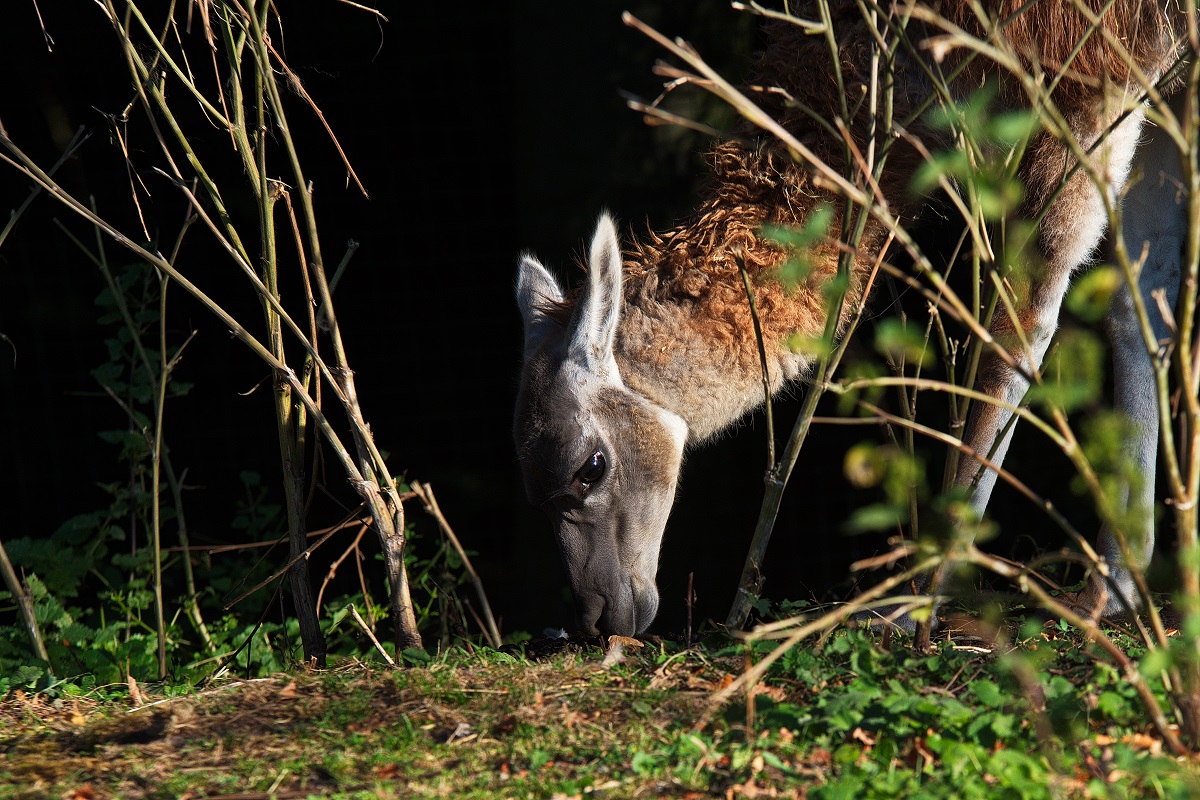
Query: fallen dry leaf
569	718
776	693
749	789
859	735
1141	741
920	751
625	641
135	694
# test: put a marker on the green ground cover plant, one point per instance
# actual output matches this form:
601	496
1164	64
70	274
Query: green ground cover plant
856	718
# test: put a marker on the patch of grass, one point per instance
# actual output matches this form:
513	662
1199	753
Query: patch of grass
859	718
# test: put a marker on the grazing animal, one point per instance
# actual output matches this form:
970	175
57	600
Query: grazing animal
657	352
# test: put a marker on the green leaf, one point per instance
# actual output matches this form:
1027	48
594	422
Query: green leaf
988	693
798	242
875	517
952	164
846	754
538	759
998	196
740	758
1004	725
112	437
1073	375
772	760
1013	127
813	346
1155	662
1112	704
902	342
416	655
26	675
643	763
1092	293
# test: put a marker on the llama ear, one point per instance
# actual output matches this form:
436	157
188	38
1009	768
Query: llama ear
594	325
536	288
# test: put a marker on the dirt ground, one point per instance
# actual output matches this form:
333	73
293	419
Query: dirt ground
353	732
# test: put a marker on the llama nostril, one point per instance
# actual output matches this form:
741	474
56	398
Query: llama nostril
590	614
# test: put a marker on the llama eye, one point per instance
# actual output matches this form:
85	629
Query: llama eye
592	470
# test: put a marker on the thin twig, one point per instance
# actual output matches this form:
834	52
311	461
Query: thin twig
76	142
333	568
297	86
367	630
303	554
762	358
425	493
25	603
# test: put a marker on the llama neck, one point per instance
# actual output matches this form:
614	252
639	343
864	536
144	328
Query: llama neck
686	338
675	355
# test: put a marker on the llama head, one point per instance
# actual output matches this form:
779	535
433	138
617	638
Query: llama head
601	460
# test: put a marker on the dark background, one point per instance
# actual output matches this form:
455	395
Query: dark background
480	130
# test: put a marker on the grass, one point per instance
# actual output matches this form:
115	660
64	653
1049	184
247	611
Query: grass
861	717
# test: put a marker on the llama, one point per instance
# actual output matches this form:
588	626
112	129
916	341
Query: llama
657	352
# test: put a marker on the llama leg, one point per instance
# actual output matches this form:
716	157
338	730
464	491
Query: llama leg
1154	221
1070	231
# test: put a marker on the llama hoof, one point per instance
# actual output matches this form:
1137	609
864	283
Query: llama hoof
1097	600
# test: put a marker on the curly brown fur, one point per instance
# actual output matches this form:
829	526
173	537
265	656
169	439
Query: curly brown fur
751	185
1055	36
